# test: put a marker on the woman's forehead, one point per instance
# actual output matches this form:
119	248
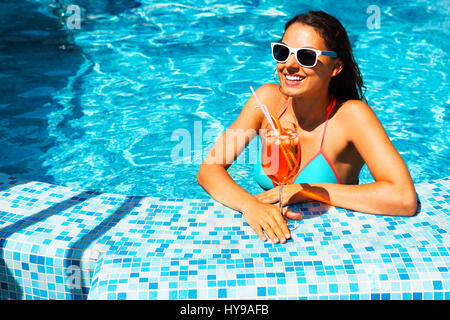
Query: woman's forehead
300	35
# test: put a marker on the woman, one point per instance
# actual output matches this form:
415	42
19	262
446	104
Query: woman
322	94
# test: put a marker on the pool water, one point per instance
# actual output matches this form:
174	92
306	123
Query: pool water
107	107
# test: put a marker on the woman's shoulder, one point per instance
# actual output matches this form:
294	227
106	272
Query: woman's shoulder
270	95
352	110
270	87
269	91
252	116
356	116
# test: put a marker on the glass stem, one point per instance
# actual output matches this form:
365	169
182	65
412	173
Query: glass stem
281	198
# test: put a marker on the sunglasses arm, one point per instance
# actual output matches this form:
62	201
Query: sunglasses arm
332	54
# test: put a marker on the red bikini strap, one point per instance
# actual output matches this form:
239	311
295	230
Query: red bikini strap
330	107
284	109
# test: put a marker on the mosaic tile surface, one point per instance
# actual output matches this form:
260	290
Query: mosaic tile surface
63	243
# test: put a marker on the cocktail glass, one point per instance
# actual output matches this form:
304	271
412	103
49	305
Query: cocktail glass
280	157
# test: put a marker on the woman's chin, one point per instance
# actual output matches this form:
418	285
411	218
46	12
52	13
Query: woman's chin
292	91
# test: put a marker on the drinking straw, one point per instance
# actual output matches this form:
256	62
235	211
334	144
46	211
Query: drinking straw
287	154
263	107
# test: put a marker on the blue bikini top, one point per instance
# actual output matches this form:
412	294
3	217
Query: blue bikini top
318	169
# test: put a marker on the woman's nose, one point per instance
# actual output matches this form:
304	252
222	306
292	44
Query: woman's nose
292	62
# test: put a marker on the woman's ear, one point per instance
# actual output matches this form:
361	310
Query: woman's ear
337	68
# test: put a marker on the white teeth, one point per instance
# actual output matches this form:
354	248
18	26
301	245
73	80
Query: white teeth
294	78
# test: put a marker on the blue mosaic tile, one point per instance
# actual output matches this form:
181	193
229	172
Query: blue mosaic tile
64	243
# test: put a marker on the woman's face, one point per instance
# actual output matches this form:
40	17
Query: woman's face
313	80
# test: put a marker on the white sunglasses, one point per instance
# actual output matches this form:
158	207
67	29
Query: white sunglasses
306	57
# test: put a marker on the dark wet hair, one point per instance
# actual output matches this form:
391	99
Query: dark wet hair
348	84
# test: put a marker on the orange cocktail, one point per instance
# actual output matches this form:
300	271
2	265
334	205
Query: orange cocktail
281	155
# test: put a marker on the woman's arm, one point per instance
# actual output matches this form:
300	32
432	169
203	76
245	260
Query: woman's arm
214	178
393	191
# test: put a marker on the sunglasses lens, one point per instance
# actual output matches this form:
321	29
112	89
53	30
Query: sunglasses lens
280	53
306	57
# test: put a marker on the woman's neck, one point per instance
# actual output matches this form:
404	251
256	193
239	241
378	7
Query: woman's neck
311	111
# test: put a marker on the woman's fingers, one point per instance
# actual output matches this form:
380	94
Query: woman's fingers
293	215
266	220
269	196
270	233
259	231
281	223
276	225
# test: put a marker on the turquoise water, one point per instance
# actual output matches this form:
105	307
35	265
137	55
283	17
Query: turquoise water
106	106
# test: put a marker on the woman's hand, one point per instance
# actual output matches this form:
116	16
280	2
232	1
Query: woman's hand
291	194
266	218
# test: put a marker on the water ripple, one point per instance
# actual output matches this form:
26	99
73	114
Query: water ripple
153	68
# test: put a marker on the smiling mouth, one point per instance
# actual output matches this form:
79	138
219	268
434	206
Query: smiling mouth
293	80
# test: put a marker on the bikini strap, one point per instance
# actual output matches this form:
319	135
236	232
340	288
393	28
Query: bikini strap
285	108
330	107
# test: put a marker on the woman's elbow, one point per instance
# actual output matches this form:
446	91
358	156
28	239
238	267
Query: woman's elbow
200	176
408	205
203	173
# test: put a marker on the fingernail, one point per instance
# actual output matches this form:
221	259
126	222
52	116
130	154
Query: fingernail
283	240
288	236
275	241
